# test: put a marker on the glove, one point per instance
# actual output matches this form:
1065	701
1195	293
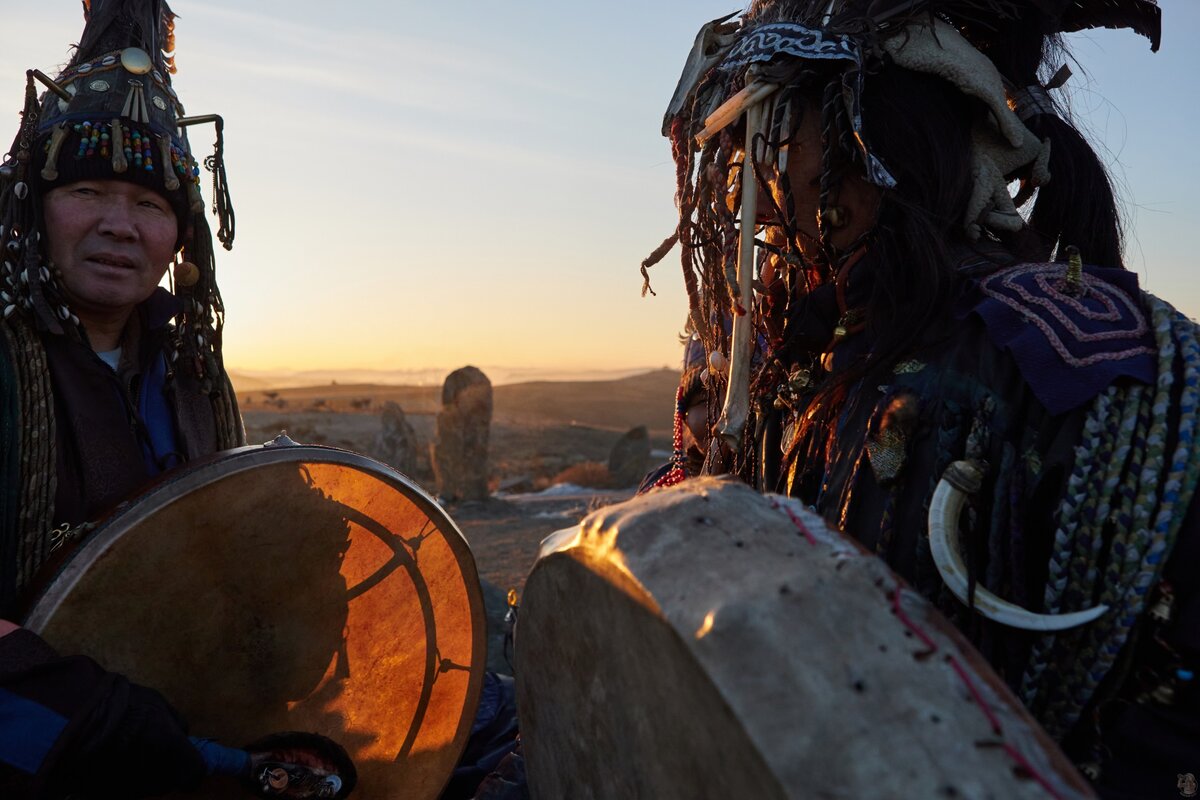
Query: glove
300	765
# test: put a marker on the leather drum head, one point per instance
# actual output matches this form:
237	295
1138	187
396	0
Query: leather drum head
707	641
289	588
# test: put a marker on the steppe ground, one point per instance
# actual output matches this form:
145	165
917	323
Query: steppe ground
542	433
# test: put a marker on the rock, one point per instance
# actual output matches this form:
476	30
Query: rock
630	457
460	449
396	444
516	484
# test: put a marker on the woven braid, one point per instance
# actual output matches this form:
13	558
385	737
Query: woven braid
1083	656
1070	543
1114	438
1126	430
1072	539
230	430
1150	504
1172	495
1061	650
39	479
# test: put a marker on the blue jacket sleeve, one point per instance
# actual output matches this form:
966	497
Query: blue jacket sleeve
69	726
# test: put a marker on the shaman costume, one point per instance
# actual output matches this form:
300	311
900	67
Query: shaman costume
79	434
959	324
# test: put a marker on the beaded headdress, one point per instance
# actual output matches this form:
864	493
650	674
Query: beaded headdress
113	114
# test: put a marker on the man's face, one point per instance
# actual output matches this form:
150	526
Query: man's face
857	200
111	240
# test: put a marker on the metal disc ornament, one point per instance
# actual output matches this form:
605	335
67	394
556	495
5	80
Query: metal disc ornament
136	61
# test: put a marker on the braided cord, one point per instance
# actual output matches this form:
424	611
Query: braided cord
1145	511
36	441
1118	460
1109	432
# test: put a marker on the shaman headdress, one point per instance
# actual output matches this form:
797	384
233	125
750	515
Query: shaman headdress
734	113
113	114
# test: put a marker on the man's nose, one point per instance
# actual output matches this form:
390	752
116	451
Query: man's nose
117	221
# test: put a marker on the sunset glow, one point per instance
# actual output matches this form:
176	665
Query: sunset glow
425	186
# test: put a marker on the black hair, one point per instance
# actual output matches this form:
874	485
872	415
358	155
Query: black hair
918	126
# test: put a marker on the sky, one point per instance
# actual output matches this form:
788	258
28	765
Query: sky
428	185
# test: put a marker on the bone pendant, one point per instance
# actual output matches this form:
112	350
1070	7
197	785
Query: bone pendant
960	479
737	398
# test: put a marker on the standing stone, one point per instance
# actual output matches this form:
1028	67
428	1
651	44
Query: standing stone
460	448
396	443
630	457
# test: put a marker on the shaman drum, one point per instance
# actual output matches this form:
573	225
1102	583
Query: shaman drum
289	587
706	641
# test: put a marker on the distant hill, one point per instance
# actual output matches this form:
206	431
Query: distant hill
245	383
643	399
257	380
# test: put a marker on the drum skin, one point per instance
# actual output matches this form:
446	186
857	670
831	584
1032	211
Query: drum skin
282	588
707	641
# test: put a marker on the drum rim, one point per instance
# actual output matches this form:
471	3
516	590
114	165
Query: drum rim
232	462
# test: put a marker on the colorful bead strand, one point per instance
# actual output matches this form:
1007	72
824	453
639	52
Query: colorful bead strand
148	153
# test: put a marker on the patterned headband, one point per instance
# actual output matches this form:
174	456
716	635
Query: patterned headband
768	42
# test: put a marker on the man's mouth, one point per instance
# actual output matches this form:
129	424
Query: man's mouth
109	260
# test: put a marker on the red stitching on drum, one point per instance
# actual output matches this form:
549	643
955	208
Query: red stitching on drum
979	701
799	523
1013	753
912	626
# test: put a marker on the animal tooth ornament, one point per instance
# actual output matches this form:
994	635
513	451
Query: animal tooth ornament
961	480
852	161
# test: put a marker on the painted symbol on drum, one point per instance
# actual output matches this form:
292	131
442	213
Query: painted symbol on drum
396	693
404	554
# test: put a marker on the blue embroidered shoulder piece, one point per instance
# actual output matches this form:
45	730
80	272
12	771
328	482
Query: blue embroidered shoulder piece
1069	347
